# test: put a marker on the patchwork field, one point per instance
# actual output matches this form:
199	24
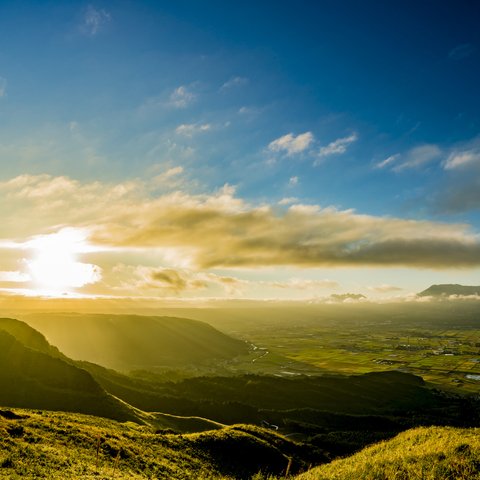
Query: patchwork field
439	342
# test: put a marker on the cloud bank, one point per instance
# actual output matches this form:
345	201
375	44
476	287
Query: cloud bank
222	230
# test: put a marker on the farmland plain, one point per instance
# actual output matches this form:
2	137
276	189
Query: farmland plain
439	341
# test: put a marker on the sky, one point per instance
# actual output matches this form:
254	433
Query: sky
258	149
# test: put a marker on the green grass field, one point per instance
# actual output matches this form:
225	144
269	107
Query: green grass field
59	446
424	453
54	446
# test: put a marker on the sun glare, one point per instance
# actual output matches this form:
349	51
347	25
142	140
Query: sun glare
54	267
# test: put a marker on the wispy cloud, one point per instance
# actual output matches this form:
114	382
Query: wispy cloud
293	181
190	129
388	161
288	200
384	288
418	157
462	159
181	97
169	177
167	281
291	144
461	51
303	284
94	20
248	110
234	82
3	87
337	147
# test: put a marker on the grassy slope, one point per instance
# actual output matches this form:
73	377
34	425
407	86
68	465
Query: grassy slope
129	342
28	336
424	453
30	378
34	374
363	394
64	446
57	446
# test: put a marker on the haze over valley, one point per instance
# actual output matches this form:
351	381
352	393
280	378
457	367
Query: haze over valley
240	240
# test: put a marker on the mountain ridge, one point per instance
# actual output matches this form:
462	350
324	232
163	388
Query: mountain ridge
136	342
35	379
447	289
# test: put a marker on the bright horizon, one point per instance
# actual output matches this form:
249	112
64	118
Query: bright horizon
154	152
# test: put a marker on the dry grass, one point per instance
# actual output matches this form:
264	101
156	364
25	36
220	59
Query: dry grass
435	453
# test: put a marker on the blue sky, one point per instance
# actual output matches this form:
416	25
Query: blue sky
370	108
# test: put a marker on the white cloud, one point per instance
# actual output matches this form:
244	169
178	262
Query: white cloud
461	159
303	284
248	110
288	200
418	157
388	161
384	288
14	277
190	129
291	144
293	181
461	51
168	177
181	97
94	21
234	82
3	87
337	147
220	230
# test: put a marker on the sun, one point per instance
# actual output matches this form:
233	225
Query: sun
54	267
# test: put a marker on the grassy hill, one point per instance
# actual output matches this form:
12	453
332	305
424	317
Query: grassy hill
425	453
70	446
35	374
130	342
389	391
337	413
36	444
340	414
28	336
352	394
450	289
31	378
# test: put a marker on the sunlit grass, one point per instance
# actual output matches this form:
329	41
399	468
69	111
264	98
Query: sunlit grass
423	453
58	446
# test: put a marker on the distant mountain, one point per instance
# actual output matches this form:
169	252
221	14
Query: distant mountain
36	375
131	342
445	290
